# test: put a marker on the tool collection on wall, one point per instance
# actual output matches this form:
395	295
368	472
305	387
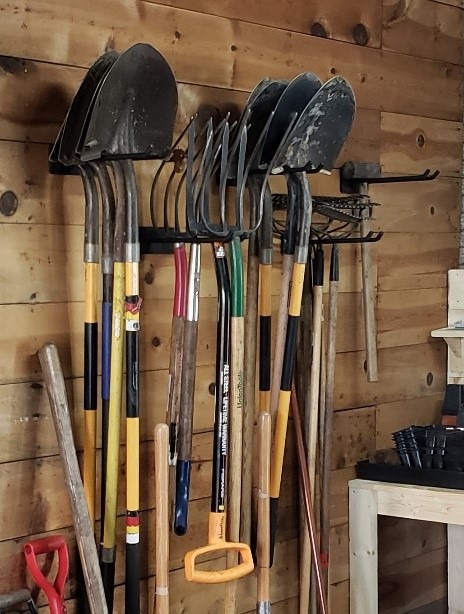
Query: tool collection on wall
213	186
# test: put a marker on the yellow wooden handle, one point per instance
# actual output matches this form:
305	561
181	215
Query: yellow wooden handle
216	541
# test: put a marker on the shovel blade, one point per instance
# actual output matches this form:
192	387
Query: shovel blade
134	112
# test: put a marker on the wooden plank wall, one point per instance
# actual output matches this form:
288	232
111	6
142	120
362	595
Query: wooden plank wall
404	62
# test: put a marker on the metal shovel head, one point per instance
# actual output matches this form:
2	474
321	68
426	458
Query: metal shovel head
134	112
322	128
81	107
260	109
293	100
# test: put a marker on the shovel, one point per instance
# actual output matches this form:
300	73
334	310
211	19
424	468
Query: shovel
65	150
132	118
315	141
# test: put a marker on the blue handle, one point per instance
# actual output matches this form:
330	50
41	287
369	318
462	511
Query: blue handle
107	314
182	496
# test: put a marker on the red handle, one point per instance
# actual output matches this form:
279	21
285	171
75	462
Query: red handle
55	592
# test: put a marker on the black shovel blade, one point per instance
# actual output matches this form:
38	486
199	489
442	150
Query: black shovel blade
293	100
322	128
81	108
134	112
261	108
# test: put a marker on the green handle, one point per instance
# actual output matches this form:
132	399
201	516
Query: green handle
236	268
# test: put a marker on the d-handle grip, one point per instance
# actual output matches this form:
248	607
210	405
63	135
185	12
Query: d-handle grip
216	539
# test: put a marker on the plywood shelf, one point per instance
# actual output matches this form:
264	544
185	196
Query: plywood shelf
454	337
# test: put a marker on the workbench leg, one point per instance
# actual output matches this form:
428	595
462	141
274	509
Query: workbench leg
363	551
455	569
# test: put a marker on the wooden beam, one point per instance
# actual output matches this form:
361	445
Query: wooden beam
423	29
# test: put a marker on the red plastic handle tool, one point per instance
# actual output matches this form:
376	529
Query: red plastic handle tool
55	591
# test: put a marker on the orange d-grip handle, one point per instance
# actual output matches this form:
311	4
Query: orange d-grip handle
216	541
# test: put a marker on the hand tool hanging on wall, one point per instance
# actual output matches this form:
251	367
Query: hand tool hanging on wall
235	421
263	605
108	548
180	296
312	407
326	451
66	151
295	98
133	118
292	100
355	178
308	506
261	105
54	382
54	592
316	139
217	517
162	519
187	392
20	597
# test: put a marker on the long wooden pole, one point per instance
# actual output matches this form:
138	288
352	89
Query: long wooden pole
263	605
162	519
56	389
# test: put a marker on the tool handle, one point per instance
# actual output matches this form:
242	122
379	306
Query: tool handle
263	538
180	290
54	381
216	542
55	591
369	300
162	519
187	395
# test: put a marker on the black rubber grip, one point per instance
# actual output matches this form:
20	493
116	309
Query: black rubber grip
107	571
274	517
289	353
90	365
132	579
265	352
132	374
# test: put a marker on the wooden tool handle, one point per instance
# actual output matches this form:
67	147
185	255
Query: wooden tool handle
281	331
263	540
251	316
54	381
162	519
369	301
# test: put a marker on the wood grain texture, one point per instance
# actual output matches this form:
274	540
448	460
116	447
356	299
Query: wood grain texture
428	208
403	374
391	417
242	52
409	145
410	261
354	436
423	29
399	585
408	318
298	16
